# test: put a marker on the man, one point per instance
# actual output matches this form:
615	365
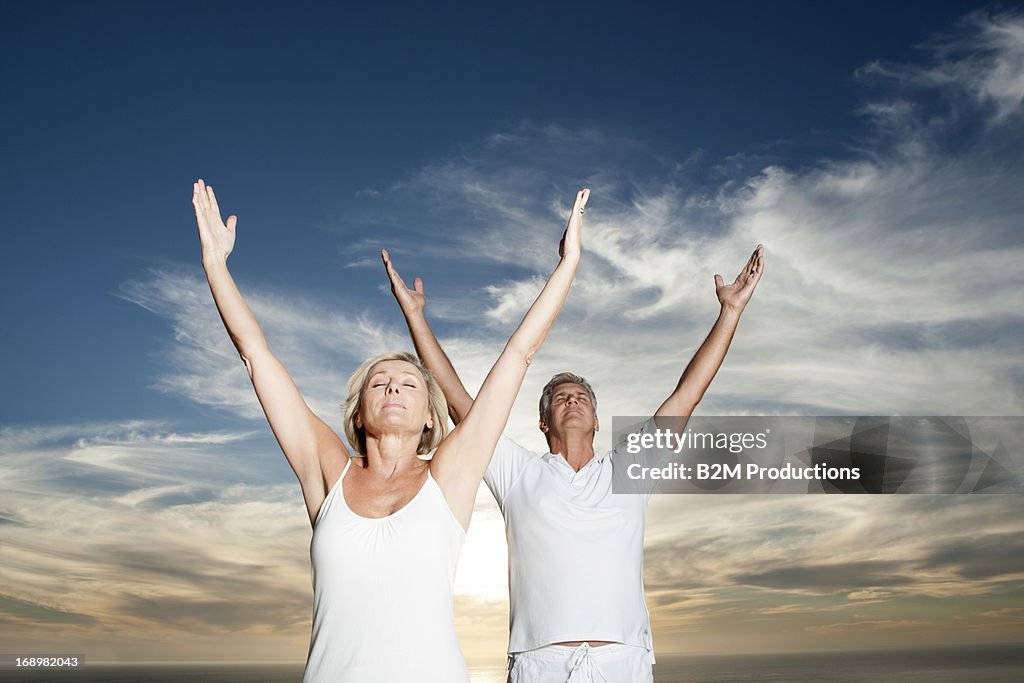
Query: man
577	607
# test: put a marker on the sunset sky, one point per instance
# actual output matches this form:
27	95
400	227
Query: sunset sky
875	148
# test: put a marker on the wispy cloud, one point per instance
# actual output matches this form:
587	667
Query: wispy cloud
893	265
874	625
311	338
983	59
146	534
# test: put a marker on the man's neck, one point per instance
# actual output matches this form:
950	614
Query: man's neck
576	447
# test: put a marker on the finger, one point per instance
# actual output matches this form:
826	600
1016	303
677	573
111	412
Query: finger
417	283
580	205
719	281
582	196
749	266
232	222
213	200
204	201
751	284
758	271
396	279
200	209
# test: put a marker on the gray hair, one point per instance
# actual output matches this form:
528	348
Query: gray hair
558	380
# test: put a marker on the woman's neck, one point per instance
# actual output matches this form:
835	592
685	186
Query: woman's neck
393	454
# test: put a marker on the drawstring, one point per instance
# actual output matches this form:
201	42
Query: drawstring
584	665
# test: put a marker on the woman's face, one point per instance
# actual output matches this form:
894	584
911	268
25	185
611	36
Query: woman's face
395	399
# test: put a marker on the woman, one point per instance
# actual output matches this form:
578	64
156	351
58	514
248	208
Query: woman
388	526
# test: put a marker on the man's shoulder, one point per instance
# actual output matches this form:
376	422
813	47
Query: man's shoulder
507	446
509	463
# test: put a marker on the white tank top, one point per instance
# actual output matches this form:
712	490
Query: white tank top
383	592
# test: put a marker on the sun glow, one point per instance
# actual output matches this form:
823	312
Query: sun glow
483	568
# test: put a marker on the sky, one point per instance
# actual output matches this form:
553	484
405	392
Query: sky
146	513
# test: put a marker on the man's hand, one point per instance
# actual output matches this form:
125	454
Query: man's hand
737	294
412	301
704	365
570	243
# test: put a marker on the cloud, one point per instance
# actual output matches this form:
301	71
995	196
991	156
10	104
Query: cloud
891	287
1004	613
146	532
976	558
13	611
743	568
111	458
799	609
224	615
873	625
983	60
309	337
827	577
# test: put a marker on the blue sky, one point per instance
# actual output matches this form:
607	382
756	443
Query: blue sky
289	113
875	148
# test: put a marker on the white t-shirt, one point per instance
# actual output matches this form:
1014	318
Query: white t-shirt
576	550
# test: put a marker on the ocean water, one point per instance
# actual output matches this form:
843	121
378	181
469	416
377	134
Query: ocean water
974	664
956	664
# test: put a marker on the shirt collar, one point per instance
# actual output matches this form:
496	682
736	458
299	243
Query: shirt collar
558	457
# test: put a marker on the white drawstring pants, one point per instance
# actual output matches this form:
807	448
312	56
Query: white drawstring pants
615	663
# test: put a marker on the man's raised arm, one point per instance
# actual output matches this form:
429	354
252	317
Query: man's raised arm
412	302
705	363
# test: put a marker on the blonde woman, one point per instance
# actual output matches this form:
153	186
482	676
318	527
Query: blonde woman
388	526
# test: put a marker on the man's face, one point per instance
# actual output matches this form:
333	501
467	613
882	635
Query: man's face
571	409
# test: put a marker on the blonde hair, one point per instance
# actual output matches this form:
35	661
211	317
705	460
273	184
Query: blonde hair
430	438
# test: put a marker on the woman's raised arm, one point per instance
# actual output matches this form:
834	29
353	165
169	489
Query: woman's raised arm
460	461
306	440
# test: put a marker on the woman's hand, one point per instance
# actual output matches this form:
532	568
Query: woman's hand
570	244
737	294
216	238
412	301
